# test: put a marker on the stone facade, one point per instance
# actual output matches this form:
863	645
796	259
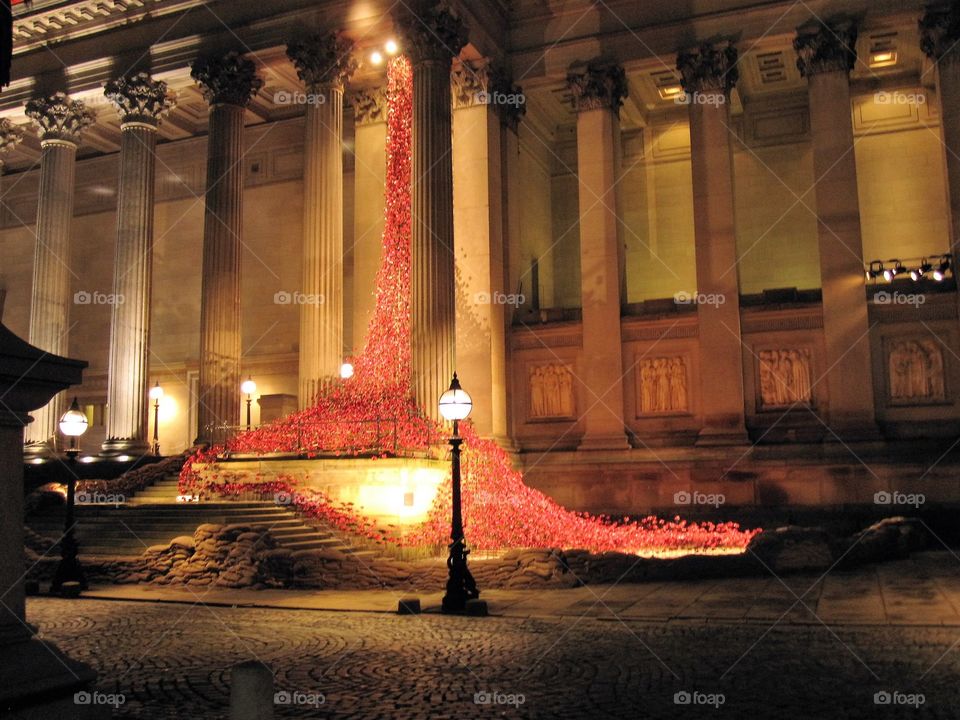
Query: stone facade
664	247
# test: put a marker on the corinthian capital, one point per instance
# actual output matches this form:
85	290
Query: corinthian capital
601	85
826	47
139	98
369	105
323	59
229	79
709	68
59	118
430	32
940	33
10	135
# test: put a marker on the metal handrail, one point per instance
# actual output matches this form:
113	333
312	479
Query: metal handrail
385	435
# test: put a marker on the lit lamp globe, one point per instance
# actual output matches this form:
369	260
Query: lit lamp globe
346	371
248	387
455	403
156	392
73	424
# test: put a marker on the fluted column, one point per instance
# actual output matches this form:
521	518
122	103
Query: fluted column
141	102
60	121
598	93
370	174
940	40
709	73
825	56
481	96
432	37
324	64
228	82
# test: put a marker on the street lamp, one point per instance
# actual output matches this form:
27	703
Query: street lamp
73	424
156	393
455	405
249	387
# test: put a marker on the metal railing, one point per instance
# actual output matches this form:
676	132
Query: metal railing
373	436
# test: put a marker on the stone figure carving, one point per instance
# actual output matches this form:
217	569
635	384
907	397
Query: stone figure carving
551	391
663	385
916	371
785	378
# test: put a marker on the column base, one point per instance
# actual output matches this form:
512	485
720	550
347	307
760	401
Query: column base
112	447
613	441
719	437
38	451
38	681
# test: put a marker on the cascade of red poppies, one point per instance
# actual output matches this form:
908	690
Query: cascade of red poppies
374	412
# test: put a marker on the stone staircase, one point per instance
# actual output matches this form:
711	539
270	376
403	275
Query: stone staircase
154	517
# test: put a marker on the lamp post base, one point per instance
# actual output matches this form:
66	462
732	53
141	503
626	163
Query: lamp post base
460	583
69	568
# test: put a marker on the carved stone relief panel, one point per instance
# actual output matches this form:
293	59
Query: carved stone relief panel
662	386
915	373
551	391
785	378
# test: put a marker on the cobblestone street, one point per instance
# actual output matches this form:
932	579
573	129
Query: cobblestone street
173	660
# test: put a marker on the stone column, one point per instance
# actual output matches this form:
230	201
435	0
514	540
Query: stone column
324	63
228	82
597	96
60	121
940	40
370	176
141	102
432	37
709	73
825	56
479	98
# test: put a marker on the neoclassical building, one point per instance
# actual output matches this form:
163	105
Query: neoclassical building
674	231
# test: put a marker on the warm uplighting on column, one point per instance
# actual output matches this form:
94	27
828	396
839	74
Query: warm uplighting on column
248	387
455	405
73	424
156	394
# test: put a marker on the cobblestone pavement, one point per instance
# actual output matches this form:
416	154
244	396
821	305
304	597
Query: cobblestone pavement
172	661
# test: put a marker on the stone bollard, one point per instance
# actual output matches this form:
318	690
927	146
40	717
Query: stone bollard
251	691
408	606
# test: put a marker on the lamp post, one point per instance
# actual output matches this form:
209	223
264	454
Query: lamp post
156	393
455	405
73	424
249	387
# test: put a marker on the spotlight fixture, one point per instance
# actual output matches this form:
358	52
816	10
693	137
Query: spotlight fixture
890	273
875	270
376	58
940	272
922	271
